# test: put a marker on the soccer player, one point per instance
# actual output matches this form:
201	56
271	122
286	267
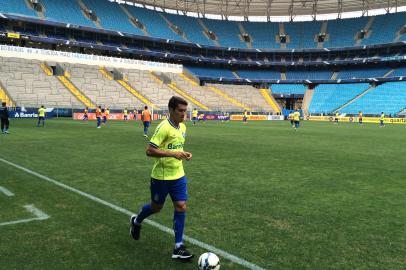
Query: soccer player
85	116
360	117
105	114
168	176
296	119
99	116
336	118
290	117
146	119
381	120
135	112
41	116
125	112
194	116
245	117
4	118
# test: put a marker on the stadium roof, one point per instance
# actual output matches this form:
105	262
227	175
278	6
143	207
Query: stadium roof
227	9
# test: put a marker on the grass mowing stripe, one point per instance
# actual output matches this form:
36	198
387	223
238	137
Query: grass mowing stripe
162	228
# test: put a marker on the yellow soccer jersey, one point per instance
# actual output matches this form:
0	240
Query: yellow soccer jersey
41	112
296	116
194	113
169	138
290	117
382	117
125	112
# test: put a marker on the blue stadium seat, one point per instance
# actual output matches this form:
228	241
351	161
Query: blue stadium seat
192	29
18	7
341	32
302	34
309	75
227	32
112	17
259	74
362	73
328	97
389	98
67	11
288	88
384	28
263	34
210	72
154	23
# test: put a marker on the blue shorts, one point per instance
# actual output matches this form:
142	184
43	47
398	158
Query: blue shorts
147	124
175	188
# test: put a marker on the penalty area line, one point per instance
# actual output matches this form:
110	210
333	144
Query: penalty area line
157	225
32	209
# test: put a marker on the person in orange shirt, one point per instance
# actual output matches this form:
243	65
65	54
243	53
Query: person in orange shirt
146	119
98	116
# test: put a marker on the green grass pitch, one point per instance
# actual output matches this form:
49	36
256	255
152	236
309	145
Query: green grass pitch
324	197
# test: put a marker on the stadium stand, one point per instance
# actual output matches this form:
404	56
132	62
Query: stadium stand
247	95
302	34
370	72
29	86
264	35
259	74
389	98
67	11
308	75
288	89
328	97
113	17
18	7
226	31
99	89
384	28
210	72
191	27
342	32
155	25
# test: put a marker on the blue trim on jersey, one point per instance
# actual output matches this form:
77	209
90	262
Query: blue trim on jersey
153	145
177	127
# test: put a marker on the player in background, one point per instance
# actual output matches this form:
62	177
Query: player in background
290	117
296	119
125	113
146	120
245	117
41	116
336	118
381	120
360	118
135	112
99	116
194	116
4	118
85	114
168	176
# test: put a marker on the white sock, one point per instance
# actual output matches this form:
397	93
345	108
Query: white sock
177	245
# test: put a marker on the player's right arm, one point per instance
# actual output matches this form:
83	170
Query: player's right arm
156	152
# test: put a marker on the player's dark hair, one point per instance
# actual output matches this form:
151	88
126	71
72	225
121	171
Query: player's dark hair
175	101
3	104
146	107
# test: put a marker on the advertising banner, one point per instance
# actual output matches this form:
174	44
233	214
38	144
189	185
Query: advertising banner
276	117
113	116
238	117
216	117
355	119
30	113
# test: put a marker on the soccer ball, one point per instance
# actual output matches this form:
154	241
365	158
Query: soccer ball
209	261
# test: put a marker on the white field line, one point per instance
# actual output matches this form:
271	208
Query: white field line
30	208
160	227
6	191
